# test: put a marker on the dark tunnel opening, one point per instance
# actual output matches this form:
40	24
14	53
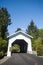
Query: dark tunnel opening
22	44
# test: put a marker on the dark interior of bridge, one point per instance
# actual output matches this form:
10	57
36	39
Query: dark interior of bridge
22	46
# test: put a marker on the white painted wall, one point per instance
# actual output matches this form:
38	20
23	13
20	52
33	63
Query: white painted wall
20	36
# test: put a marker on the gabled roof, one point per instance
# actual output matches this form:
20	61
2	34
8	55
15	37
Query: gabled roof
19	32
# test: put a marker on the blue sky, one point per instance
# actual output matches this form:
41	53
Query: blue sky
22	12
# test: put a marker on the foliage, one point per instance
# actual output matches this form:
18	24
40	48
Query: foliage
32	30
3	45
16	48
37	46
41	33
1	54
0	34
40	51
18	29
37	41
4	22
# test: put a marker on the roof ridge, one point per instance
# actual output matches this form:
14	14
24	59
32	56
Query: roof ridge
20	32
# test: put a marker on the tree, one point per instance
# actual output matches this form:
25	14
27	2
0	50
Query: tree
41	33
18	29
0	34
15	48
4	22
37	46
32	30
3	47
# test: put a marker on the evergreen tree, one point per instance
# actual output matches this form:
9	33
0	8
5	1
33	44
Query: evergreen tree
4	22
41	33
18	29
32	30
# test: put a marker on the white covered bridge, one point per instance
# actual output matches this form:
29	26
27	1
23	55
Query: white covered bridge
23	39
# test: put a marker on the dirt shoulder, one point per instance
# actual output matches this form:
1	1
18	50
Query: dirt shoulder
4	59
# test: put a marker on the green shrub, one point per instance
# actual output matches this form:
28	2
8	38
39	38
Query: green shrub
40	51
5	54
1	54
3	47
15	48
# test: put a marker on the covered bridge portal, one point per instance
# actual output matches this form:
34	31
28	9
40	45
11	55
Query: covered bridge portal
23	40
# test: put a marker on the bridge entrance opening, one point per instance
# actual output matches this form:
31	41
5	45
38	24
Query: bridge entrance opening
19	46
